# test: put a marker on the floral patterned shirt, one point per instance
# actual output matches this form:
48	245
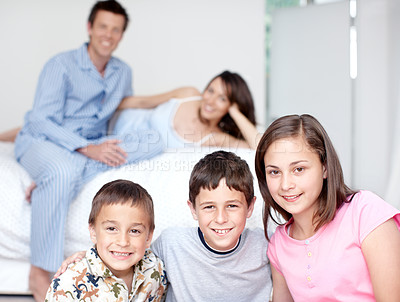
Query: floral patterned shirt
91	280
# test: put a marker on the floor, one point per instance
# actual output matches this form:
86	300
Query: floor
4	298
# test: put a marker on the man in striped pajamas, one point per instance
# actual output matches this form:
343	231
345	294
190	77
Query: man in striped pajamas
64	141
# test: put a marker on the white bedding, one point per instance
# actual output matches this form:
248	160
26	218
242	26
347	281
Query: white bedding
165	177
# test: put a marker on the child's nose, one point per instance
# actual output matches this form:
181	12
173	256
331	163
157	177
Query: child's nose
287	182
210	100
123	240
221	216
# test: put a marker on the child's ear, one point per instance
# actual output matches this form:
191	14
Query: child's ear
192	209
251	207
325	172
92	232
149	239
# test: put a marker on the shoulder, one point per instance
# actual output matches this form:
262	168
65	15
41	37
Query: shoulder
62	62
364	212
152	271
279	237
255	238
254	234
118	63
366	201
171	238
74	274
151	262
174	231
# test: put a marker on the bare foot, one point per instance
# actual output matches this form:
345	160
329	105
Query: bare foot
29	190
10	135
39	282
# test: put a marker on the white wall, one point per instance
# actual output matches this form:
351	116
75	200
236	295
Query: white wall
310	70
377	104
311	74
168	44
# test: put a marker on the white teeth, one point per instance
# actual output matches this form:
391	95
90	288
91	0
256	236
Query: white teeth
120	254
291	197
221	231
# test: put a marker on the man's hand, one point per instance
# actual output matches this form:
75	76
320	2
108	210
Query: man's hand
78	256
107	152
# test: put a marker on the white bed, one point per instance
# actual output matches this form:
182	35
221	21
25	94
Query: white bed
165	177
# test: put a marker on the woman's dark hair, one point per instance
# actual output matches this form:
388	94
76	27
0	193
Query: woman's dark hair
334	191
238	93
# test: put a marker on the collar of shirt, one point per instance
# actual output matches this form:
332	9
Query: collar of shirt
85	63
99	269
203	241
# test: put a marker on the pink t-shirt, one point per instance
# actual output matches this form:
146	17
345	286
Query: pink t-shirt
330	266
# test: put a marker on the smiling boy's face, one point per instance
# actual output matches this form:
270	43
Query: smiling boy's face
222	215
121	234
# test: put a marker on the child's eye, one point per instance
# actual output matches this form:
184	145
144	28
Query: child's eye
232	206
135	231
273	172
299	169
111	229
208	207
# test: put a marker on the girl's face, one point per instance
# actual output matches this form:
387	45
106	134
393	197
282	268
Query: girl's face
294	176
215	101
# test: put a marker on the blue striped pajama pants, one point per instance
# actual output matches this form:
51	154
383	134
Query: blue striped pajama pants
59	175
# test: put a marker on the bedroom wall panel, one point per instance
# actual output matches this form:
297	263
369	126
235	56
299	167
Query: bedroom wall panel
310	74
310	70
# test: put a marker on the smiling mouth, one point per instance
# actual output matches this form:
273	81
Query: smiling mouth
208	108
222	232
291	198
118	254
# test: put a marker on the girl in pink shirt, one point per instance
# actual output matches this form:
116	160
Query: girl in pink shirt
335	244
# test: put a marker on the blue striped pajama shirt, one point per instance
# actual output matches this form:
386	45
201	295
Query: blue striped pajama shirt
72	107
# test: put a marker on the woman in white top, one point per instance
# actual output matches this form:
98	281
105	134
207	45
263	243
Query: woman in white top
223	115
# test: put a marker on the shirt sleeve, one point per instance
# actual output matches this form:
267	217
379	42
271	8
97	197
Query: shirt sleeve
157	246
58	296
49	107
271	252
370	211
160	292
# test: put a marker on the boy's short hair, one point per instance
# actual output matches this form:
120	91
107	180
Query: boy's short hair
109	6
122	191
209	171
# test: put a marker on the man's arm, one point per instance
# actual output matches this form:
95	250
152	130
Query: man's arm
48	110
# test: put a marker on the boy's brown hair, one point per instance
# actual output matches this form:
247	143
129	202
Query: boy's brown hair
123	191
209	171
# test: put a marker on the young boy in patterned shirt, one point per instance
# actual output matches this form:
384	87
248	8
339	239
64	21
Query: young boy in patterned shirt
119	267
